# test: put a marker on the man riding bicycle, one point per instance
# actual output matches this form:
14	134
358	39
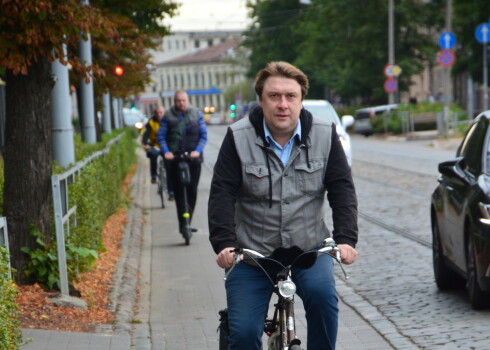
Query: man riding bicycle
183	129
268	191
149	140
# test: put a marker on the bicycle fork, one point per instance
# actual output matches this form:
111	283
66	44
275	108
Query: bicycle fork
285	333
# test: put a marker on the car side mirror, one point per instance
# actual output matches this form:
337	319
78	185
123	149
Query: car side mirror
453	168
347	120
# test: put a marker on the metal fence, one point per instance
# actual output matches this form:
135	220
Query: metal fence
64	214
4	240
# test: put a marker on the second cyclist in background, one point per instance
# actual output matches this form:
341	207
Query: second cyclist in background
182	129
149	140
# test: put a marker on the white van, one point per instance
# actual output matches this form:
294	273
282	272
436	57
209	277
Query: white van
323	109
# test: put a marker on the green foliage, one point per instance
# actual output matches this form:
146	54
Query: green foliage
43	264
467	16
343	45
96	193
10	332
392	122
244	89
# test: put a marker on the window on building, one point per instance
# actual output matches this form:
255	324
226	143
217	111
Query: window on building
196	43
210	42
184	44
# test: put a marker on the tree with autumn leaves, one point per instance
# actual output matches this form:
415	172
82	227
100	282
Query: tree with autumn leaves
33	35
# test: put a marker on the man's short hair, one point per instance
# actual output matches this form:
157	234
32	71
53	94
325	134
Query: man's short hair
281	69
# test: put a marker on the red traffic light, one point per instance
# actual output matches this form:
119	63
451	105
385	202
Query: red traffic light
119	70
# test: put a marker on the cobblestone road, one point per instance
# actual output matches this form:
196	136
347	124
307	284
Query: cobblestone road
394	273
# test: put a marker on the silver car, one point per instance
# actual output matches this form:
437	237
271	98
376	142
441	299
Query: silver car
324	110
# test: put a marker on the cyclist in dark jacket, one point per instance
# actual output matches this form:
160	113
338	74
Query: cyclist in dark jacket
183	129
268	191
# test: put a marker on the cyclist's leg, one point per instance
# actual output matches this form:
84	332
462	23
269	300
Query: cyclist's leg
153	165
195	170
174	176
170	187
316	287
248	293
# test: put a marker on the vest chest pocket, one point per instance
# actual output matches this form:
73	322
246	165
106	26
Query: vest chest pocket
256	181
310	179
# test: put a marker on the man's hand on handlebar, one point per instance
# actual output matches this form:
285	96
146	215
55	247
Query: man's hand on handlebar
347	254
195	154
169	156
226	257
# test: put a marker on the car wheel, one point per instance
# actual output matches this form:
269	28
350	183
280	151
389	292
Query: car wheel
478	299
445	278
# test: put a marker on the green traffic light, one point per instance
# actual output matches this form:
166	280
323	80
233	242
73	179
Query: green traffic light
233	107
232	115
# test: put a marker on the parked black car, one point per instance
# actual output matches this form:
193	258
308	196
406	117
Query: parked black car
460	216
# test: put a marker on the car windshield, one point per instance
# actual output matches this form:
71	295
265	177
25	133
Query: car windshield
323	111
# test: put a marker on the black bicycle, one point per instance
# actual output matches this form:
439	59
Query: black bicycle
281	327
183	160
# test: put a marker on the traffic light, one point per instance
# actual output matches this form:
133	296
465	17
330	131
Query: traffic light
232	109
118	70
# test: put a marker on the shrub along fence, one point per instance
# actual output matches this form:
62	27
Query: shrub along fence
84	196
10	333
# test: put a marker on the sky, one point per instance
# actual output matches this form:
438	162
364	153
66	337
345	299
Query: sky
209	15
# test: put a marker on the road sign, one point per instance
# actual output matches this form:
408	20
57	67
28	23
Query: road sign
390	85
482	33
445	58
392	70
447	40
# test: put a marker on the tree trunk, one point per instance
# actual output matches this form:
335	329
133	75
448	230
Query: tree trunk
27	158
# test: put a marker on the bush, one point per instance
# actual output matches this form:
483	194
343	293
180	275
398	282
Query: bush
96	193
10	332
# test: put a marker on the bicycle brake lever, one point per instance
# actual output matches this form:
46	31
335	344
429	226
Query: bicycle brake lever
235	262
339	260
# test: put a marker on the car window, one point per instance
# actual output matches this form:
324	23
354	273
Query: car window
324	112
472	147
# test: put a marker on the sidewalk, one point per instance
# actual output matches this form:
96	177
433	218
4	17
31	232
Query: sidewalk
178	297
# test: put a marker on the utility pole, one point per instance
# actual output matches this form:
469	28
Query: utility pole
62	130
87	90
391	42
447	73
106	113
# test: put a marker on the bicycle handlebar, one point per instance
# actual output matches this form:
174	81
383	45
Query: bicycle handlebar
329	246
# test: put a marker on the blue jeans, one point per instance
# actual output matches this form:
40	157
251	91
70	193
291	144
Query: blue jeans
249	291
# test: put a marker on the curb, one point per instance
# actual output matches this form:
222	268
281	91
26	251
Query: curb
125	282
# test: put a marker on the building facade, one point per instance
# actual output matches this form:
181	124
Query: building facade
204	64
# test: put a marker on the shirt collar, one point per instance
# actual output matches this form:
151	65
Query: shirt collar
296	132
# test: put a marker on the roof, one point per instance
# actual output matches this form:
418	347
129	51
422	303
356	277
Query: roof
214	53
